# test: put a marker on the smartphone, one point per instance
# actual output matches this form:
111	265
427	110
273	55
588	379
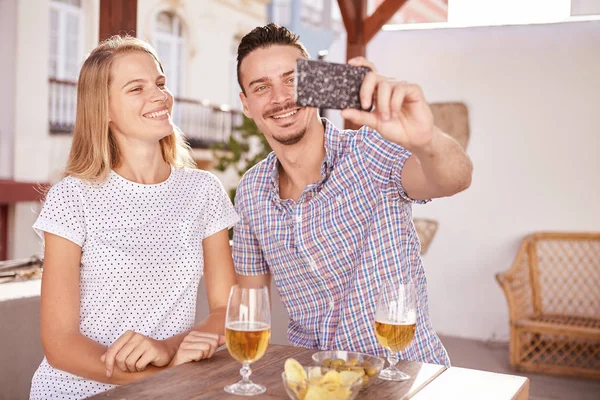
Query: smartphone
328	85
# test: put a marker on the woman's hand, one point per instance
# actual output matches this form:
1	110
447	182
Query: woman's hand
133	352
197	346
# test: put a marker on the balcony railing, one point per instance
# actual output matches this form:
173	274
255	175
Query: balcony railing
203	123
62	105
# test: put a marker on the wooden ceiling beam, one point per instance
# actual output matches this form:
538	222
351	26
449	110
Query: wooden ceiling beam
348	11
117	17
380	17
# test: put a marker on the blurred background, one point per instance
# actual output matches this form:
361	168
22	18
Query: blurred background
515	81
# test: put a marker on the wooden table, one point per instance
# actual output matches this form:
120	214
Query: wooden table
206	379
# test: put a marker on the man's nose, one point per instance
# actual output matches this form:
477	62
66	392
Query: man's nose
281	94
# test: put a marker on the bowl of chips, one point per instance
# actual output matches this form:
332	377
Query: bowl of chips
316	383
367	365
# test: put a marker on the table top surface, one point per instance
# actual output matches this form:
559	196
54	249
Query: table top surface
206	379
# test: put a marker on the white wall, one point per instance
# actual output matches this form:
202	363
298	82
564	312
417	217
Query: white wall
585	7
8	48
533	95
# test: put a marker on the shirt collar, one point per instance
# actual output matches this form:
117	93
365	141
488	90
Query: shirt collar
332	142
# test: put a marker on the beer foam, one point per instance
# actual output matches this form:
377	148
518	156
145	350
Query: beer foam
408	318
247	326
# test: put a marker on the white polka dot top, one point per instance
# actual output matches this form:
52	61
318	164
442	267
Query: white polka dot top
141	258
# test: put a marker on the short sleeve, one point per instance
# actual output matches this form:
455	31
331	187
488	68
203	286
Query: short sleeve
385	161
63	213
219	213
247	254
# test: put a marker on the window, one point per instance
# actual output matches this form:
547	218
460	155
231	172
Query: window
169	44
66	43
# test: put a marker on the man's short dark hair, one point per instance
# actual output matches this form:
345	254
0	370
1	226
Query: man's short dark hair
266	36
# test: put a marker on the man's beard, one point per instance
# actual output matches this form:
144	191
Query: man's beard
293	139
288	140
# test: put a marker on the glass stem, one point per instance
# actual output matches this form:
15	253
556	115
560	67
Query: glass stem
393	360
246	372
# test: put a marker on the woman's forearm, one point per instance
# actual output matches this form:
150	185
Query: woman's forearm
80	355
214	322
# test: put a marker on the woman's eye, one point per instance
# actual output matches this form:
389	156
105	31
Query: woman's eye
136	89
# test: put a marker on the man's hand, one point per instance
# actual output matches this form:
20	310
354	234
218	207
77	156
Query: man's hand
401	113
197	346
133	352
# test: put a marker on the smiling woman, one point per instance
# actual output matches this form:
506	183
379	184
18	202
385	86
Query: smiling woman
139	88
128	234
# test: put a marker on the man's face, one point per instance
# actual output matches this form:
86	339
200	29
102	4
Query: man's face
267	75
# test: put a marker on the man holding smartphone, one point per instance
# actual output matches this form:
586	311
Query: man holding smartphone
328	214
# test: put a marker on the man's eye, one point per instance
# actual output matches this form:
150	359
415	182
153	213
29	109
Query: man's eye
136	89
260	88
291	80
161	85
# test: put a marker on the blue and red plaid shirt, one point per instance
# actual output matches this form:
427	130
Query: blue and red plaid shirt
330	251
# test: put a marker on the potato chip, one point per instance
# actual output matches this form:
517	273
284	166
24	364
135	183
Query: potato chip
315	385
296	376
341	394
349	377
331	377
317	393
314	375
294	370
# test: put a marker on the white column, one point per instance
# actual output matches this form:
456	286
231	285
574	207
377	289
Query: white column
31	139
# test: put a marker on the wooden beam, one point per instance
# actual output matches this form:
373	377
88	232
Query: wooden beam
13	192
348	11
384	12
361	29
3	232
117	17
356	45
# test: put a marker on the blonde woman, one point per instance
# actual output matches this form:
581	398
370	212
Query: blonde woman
128	234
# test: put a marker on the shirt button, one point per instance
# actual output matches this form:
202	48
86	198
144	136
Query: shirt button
298	218
312	263
339	199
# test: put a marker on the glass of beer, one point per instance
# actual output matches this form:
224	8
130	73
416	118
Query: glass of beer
247	333
395	321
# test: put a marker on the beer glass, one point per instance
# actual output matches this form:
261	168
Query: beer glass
395	321
247	333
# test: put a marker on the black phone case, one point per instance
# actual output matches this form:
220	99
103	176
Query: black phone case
328	85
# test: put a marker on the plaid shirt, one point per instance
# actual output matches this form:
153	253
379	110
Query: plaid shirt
330	251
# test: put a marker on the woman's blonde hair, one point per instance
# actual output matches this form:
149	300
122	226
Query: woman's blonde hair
94	151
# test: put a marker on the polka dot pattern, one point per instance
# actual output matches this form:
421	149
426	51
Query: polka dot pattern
141	258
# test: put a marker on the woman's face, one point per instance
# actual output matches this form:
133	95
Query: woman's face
139	103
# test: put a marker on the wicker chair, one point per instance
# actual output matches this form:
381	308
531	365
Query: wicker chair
426	229
553	294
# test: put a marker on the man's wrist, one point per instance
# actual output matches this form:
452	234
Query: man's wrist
428	150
